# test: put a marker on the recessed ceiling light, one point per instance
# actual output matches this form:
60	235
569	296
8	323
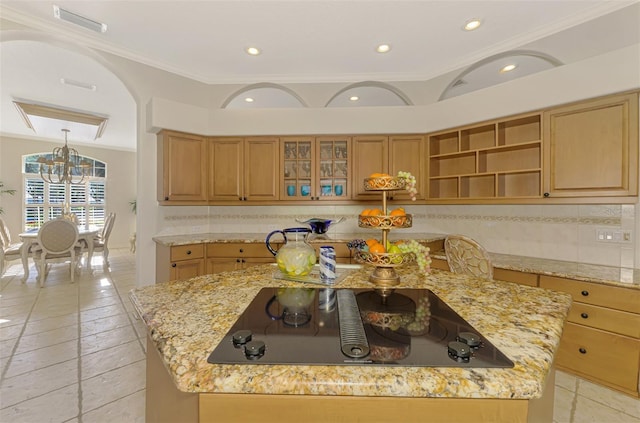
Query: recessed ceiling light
65	15
249	100
253	51
472	24
508	68
354	98
383	48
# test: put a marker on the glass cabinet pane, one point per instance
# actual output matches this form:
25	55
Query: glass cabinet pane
333	168
297	171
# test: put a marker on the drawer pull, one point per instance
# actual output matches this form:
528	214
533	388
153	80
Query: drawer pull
582	351
584	315
242	250
237	260
188	252
173	265
585	293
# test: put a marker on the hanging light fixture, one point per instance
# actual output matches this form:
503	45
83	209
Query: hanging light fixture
65	166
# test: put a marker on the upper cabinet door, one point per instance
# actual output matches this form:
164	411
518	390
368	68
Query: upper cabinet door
591	148
297	164
182	167
333	170
226	169
261	169
370	155
407	153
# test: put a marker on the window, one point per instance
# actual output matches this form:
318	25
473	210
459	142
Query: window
44	201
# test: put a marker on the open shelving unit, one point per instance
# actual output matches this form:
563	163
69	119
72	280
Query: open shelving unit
499	159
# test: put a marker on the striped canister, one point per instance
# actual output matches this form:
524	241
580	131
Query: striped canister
327	264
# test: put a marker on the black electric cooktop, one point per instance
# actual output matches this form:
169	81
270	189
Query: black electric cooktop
326	326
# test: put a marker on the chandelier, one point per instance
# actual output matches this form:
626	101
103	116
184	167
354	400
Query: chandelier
65	166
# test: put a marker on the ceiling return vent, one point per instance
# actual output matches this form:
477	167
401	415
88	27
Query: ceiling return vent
65	15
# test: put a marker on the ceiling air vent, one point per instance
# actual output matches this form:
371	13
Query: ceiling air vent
65	15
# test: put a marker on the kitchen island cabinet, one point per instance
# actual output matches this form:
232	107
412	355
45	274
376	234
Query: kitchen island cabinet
187	319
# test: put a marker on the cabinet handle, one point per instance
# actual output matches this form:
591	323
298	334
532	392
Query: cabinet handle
242	250
584	315
173	265
244	198
166	198
582	350
242	260
585	293
546	195
188	252
237	260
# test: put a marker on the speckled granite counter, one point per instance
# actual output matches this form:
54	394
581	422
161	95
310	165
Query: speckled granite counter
187	319
171	240
609	275
606	275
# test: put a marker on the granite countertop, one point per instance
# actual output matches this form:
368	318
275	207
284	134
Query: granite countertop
608	275
187	319
172	240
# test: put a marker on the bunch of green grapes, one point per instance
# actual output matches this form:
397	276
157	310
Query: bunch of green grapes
410	184
420	251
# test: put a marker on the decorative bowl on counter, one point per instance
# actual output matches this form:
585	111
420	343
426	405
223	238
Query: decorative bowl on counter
319	225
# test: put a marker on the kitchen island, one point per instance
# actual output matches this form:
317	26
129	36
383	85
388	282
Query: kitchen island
187	319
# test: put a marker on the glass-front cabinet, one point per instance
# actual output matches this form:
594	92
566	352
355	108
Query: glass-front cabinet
315	168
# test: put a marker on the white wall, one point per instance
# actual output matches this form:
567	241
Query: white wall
121	168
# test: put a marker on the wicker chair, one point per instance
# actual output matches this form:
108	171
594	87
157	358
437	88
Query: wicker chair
466	256
8	250
57	241
101	242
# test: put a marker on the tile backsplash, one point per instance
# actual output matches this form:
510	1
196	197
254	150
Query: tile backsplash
563	232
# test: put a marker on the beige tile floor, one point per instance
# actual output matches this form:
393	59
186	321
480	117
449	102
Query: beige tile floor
76	353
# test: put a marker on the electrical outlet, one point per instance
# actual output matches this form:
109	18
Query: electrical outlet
618	236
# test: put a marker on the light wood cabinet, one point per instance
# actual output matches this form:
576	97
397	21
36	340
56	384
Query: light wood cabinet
387	154
182	168
315	168
243	169
224	257
179	262
370	155
492	160
591	148
601	340
407	153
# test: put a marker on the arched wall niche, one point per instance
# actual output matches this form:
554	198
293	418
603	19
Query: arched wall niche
369	94
486	72
26	35
264	95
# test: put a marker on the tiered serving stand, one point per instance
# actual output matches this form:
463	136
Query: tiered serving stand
384	277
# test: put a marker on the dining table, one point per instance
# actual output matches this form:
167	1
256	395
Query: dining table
30	237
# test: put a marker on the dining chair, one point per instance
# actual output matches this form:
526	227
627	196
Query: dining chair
466	256
57	241
101	242
9	250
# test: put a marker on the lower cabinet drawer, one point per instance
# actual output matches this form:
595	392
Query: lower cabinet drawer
238	249
187	252
607	319
602	355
